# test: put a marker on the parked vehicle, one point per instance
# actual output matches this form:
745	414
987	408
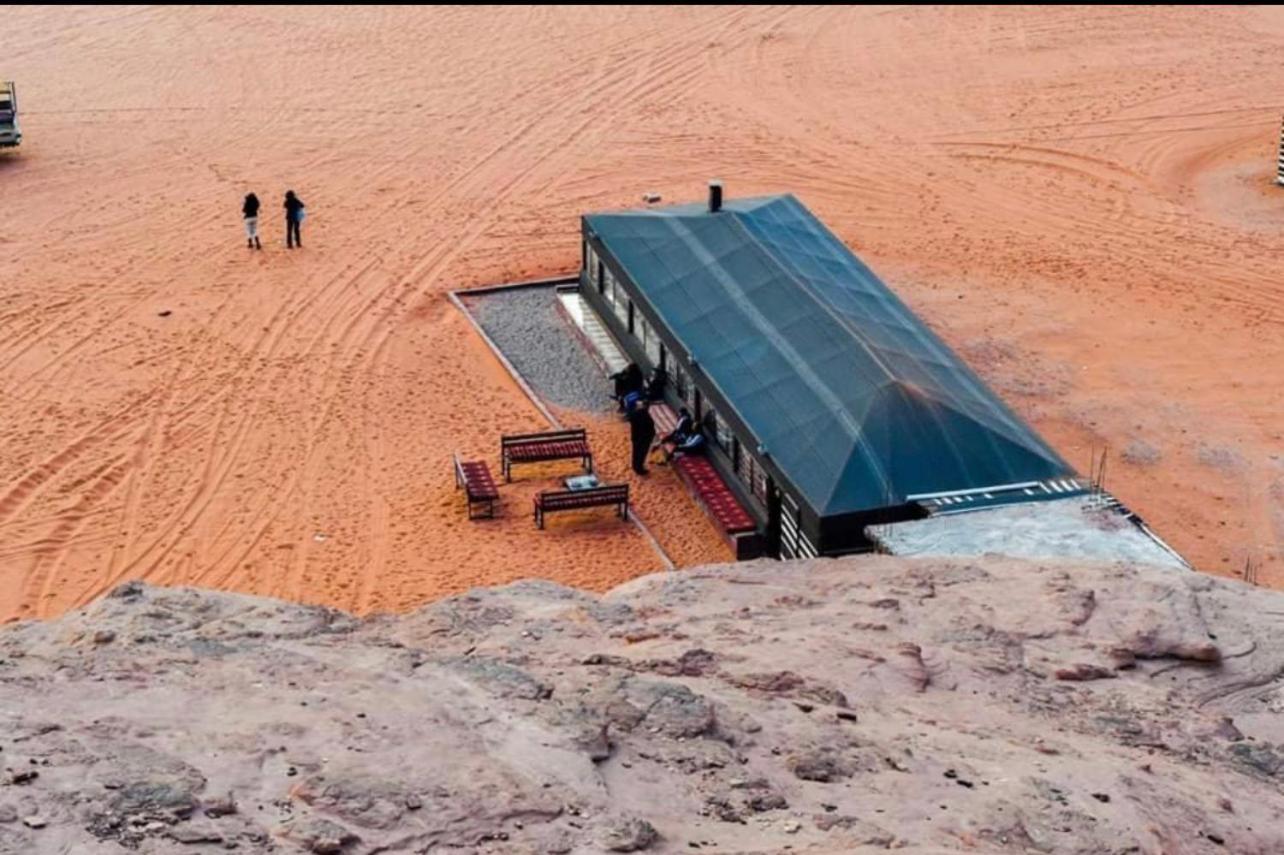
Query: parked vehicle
10	133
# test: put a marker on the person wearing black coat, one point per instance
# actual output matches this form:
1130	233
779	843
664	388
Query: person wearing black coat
626	382
293	218
641	434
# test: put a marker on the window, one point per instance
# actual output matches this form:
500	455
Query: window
751	473
724	435
651	342
616	297
745	469
592	265
621	305
760	482
682	384
717	429
608	281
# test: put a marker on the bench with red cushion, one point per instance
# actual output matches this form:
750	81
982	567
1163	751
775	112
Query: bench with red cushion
539	447
576	500
714	494
474	476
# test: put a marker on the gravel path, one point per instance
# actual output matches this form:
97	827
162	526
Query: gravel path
526	325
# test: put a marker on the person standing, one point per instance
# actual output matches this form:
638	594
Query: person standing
642	434
293	219
251	211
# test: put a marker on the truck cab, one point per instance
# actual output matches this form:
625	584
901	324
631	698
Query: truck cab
10	134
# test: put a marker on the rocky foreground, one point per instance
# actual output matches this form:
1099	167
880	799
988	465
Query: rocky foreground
829	706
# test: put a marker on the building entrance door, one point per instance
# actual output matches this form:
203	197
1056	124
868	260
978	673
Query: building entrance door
773	519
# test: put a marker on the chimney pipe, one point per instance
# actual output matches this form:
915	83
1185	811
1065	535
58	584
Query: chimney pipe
715	197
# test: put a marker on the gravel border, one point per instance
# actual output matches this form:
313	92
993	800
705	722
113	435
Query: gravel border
533	335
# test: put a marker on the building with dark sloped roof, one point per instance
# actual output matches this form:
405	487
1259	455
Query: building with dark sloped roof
828	404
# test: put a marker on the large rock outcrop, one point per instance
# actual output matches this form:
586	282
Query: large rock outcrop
990	706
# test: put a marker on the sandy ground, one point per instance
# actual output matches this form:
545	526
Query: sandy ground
1079	200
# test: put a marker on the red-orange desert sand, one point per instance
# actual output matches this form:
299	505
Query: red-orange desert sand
1080	201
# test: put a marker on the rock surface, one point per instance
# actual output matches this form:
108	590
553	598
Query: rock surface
823	706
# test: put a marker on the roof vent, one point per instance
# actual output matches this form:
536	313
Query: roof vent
715	197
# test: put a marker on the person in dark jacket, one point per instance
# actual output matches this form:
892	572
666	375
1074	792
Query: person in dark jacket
627	381
293	218
251	211
641	433
681	433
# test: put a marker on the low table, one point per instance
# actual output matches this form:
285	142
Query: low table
582	482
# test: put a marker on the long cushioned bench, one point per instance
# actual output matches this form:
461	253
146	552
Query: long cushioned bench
474	476
549	445
714	494
575	500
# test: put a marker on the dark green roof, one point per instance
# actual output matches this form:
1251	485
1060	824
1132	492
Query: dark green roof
857	402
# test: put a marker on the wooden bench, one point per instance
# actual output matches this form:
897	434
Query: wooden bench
538	447
479	486
574	500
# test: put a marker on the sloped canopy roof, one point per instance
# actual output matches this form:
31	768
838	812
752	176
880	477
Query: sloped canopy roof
857	402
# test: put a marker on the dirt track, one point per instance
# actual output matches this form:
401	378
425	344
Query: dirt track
1079	200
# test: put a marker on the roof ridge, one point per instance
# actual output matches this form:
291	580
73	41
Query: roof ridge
860	440
824	305
858	336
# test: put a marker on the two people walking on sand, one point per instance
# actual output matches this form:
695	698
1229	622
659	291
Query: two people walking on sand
294	214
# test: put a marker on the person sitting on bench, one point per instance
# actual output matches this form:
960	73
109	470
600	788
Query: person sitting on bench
684	437
692	444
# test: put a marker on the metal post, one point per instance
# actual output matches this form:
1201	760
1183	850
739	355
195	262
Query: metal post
1279	163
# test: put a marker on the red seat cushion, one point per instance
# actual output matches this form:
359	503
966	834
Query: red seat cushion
715	495
665	419
582	499
544	450
478	480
